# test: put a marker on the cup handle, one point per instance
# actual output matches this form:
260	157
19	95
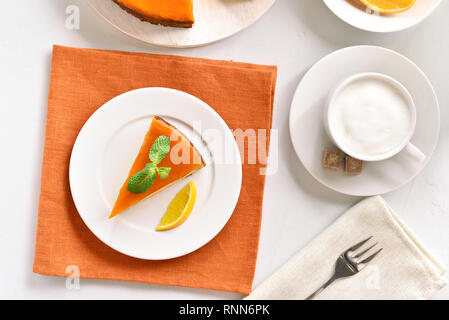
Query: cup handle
415	152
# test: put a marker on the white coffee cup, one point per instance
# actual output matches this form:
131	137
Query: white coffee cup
404	142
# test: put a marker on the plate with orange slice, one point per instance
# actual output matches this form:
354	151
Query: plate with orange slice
155	173
382	15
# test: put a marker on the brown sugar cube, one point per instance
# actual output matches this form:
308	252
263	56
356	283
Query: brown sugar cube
332	159
353	166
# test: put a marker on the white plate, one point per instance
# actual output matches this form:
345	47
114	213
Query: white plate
105	150
310	139
355	13
214	20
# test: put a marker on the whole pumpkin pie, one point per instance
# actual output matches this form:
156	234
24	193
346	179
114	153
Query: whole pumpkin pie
172	13
183	159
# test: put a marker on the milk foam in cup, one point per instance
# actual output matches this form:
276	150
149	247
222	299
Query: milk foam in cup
371	117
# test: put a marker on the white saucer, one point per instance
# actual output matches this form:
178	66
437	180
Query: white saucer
310	139
354	13
214	20
105	150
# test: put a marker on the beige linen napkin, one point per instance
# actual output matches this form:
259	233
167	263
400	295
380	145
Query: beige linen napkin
403	270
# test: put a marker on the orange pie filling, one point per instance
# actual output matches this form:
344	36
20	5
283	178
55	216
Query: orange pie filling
183	159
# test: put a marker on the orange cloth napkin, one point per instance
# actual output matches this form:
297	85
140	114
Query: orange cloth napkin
81	81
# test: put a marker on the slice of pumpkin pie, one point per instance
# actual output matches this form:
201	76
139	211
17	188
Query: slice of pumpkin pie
171	13
165	157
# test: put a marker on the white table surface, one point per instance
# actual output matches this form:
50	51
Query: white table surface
294	34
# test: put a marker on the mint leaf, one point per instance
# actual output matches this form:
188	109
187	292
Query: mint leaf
159	149
151	165
163	172
142	180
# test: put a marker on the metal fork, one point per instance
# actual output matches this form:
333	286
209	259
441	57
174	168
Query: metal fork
348	264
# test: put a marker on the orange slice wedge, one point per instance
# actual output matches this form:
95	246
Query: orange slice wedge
389	6
179	208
